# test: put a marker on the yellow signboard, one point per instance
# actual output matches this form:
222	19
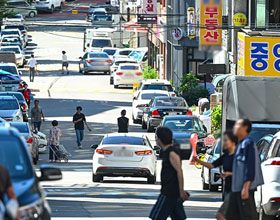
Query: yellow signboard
258	55
239	19
74	12
211	22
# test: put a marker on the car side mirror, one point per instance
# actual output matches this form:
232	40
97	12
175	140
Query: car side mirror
50	173
94	146
209	151
157	148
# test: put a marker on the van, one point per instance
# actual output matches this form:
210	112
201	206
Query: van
22	7
49	5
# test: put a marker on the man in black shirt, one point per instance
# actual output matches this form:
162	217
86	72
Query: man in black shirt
172	196
226	160
123	122
79	119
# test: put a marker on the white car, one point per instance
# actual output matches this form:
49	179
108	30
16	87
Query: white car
155	84
42	142
20	56
49	5
13	32
126	155
10	109
122	53
13	39
267	196
211	177
110	51
17	18
115	66
139	102
127	74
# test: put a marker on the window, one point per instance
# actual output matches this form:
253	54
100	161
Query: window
263	149
274	13
8	104
148	96
124	140
158	87
101	43
125	52
22	128
119	62
98	55
10	69
129	67
179	124
14	49
276	149
110	51
170	102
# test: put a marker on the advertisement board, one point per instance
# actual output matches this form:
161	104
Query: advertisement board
148	12
258	55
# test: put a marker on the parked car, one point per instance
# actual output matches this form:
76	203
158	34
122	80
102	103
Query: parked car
17	18
22	7
110	51
211	177
10	68
159	107
260	130
154	84
20	57
95	62
125	155
13	39
42	142
32	141
15	32
182	127
102	20
127	74
143	98
22	29
49	5
8	57
21	101
9	82
263	146
267	196
16	158
122	53
140	55
115	66
10	109
95	11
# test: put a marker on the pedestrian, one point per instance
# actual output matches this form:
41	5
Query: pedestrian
79	120
27	95
54	140
36	116
6	188
64	62
172	195
226	161
246	174
203	105
32	64
123	122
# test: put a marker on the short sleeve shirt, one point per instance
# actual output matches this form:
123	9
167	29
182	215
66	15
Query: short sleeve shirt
32	63
5	181
36	114
64	58
79	125
55	134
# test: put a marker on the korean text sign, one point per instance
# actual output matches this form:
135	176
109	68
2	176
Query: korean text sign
149	7
210	22
258	56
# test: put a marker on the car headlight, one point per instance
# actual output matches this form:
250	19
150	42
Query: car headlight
31	211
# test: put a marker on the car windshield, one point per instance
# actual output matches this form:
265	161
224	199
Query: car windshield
101	43
10	39
14	157
148	96
102	18
98	55
257	133
179	124
8	104
124	52
7	32
12	44
21	127
137	55
124	140
129	67
120	62
12	49
19	96
10	69
170	102
158	87
110	52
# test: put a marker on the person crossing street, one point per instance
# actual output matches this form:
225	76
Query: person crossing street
32	64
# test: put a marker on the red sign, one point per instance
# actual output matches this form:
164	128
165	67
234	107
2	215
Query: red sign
209	140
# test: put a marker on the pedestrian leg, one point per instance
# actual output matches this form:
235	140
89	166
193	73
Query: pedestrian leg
82	135
35	126
233	212
178	212
67	69
51	153
162	209
39	125
78	137
33	74
30	70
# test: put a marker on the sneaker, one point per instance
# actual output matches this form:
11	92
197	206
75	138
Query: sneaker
80	147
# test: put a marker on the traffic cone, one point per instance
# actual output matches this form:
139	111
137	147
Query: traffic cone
193	140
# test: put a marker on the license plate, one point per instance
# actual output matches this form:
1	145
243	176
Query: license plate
172	113
185	146
123	154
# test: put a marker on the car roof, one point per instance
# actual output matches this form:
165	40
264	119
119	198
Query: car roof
109	48
11	46
265	125
11	35
97	52
7	64
154	91
125	49
164	97
156	81
180	117
8	97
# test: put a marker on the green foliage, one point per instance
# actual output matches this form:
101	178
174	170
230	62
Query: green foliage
190	89
193	108
149	73
216	121
4	12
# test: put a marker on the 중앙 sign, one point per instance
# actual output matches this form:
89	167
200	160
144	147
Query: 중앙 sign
258	55
211	22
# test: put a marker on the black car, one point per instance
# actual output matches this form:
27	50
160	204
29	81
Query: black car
16	158
162	106
22	102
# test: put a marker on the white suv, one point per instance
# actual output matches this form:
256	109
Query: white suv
49	5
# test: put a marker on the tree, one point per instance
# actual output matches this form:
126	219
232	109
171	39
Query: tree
216	121
149	73
4	12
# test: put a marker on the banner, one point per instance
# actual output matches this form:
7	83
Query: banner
148	12
210	24
258	56
191	23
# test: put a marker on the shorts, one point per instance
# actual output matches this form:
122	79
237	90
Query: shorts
168	207
65	64
224	207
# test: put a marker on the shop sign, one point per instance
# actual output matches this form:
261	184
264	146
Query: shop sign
148	12
258	55
191	22
177	33
239	19
211	22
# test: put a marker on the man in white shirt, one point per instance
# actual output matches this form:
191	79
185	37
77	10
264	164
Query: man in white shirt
64	62
32	64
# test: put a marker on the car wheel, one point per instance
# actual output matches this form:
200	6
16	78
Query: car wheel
116	86
111	80
263	216
144	125
31	14
97	178
205	186
213	188
152	179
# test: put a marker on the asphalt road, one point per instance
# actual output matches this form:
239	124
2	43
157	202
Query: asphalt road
76	196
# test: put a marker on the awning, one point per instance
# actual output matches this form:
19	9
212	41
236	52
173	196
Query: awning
133	26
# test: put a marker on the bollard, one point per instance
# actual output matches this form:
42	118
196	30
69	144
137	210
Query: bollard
193	140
